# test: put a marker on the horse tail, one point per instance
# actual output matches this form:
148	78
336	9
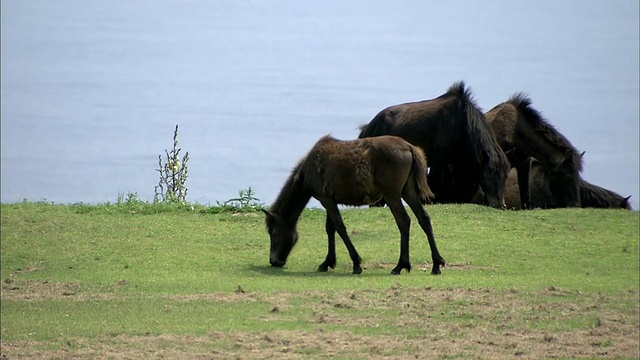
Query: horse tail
418	174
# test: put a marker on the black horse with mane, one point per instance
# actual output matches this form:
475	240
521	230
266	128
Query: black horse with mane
454	135
524	134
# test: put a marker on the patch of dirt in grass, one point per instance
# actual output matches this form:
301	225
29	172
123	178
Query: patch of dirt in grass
444	343
493	324
224	297
31	290
392	323
221	345
421	266
28	269
37	290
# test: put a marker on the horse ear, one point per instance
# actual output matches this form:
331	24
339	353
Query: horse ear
568	160
271	217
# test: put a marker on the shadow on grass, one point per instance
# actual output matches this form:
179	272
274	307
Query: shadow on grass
283	272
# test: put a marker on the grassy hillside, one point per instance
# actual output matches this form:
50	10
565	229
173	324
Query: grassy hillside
123	282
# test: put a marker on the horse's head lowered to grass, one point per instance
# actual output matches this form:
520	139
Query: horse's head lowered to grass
283	236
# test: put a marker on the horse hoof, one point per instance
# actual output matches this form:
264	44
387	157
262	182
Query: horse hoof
324	267
398	269
357	271
435	272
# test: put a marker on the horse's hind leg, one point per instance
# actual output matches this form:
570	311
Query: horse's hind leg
404	224
336	219
425	223
330	261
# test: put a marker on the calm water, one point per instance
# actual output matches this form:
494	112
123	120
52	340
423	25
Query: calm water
91	90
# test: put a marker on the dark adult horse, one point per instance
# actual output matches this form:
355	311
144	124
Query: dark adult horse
357	172
454	135
591	196
523	134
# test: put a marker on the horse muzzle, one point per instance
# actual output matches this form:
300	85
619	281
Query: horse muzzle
277	263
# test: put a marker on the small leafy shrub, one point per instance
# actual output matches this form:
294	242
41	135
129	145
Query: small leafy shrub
129	199
245	202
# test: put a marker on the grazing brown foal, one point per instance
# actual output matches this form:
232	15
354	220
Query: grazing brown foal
357	172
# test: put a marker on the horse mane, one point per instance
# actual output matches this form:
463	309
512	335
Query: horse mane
292	199
479	128
522	102
458	90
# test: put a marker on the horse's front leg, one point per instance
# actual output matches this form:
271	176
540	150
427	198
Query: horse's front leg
330	261
333	214
524	169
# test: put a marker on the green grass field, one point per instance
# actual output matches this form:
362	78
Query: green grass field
126	282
